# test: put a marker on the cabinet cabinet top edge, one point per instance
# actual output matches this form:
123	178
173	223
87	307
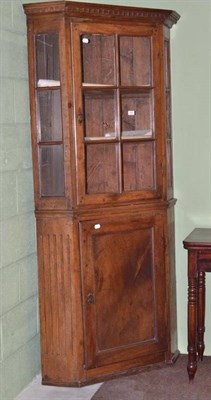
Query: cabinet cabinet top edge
105	11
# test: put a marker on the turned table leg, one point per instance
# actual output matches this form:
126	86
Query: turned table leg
198	244
192	314
201	314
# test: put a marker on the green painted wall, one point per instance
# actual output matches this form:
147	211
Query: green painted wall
19	339
191	84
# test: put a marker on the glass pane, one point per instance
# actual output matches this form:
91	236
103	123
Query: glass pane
136	115
51	170
49	115
99	114
169	165
168	114
135	61
98	55
167	63
47	55
138	166
102	168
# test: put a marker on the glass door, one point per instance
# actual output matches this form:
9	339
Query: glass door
117	136
49	115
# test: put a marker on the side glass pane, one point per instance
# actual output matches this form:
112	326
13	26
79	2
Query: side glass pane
167	63
169	165
136	114
49	115
47	56
138	166
135	61
99	108
168	114
98	55
102	168
51	170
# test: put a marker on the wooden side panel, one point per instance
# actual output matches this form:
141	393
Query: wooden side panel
57	322
55	261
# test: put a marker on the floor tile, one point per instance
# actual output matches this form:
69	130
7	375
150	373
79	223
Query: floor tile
36	391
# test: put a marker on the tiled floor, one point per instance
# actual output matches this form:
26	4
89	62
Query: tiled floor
36	391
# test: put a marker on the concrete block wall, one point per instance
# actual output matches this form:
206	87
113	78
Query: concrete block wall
19	329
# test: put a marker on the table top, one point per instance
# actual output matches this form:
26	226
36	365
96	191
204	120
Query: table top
199	237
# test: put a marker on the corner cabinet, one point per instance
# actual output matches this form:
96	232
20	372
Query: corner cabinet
102	160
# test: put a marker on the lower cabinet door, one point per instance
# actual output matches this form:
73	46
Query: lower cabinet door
124	289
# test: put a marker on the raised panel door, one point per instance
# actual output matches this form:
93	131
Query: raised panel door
123	275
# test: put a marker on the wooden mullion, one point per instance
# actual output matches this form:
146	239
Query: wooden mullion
43	88
137	139
98	87
50	143
136	88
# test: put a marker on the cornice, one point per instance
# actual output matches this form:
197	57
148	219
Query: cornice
103	11
45	8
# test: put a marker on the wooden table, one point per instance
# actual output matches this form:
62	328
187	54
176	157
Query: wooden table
198	244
